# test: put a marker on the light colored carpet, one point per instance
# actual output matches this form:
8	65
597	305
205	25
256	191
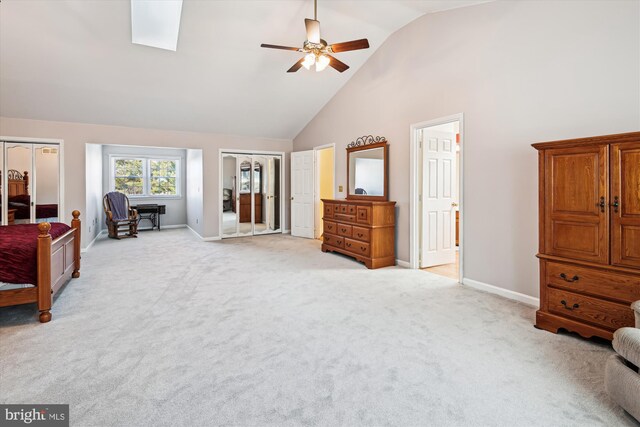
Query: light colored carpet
168	330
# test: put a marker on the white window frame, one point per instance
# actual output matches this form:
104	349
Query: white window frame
146	175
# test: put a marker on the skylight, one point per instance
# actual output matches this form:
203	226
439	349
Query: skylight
156	23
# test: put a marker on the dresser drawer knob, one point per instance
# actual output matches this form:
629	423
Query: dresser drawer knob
348	245
362	248
566	279
344	230
360	234
563	302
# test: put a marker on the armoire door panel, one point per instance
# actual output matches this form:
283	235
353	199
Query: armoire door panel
571	239
576	185
625	204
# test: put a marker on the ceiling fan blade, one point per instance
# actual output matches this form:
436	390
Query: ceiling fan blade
274	46
347	46
337	64
313	30
296	66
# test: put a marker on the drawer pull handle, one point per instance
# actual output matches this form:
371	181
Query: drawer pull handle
362	248
360	234
344	230
566	279
563	302
349	245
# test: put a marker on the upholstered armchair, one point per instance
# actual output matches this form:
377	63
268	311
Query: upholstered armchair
122	221
622	379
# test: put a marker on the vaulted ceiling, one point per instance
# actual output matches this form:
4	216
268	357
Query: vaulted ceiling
74	61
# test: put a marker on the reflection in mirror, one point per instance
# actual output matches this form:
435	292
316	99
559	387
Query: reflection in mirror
268	219
366	172
258	195
229	196
19	160
46	185
244	183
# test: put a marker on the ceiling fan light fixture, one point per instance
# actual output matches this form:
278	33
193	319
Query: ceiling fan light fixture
309	60
322	62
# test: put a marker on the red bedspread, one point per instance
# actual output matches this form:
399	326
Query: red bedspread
18	247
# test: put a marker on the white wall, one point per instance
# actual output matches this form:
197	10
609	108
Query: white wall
176	207
92	217
521	72
194	183
77	135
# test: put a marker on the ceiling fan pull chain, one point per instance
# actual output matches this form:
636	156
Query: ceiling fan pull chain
315	10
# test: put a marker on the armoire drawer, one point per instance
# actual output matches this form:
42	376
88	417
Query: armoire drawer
332	240
360	248
361	233
593	310
330	227
344	230
620	287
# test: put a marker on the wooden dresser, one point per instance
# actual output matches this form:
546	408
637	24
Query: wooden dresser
361	229
589	245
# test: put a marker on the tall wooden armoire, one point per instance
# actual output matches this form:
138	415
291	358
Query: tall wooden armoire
589	222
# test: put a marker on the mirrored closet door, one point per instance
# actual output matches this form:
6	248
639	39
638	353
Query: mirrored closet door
251	194
30	183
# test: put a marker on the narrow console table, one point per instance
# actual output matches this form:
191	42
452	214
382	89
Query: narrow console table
150	212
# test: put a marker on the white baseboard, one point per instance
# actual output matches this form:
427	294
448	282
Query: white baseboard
165	227
516	296
83	250
204	239
403	264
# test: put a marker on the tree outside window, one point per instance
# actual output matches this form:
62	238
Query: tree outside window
146	177
163	177
129	176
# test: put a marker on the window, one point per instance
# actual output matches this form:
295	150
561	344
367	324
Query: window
150	177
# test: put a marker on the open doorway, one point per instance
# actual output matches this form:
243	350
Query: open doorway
325	183
437	178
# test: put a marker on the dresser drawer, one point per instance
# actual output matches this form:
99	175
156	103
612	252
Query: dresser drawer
363	214
332	240
328	210
587	280
598	312
344	230
344	217
360	248
330	227
360	233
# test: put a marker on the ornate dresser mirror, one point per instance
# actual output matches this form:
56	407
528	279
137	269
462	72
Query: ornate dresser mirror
367	169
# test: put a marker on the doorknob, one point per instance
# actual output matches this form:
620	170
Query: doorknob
291	197
616	204
454	204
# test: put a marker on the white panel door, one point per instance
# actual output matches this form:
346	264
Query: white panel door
439	187
302	194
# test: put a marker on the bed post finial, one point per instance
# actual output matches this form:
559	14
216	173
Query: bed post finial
44	228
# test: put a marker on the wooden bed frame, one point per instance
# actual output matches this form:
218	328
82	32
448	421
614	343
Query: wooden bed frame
58	261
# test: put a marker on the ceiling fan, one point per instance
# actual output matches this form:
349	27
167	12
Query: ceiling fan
317	50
